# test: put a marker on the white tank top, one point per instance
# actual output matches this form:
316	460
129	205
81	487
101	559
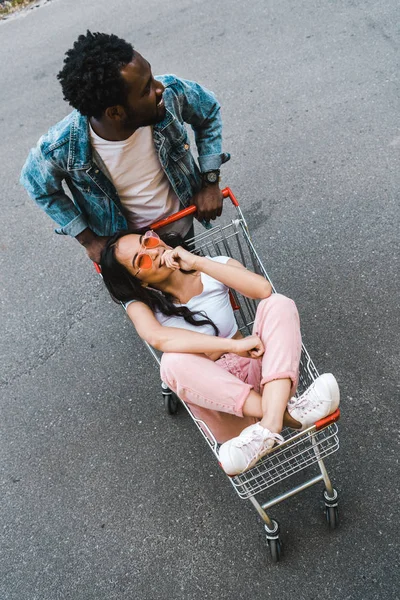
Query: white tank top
214	301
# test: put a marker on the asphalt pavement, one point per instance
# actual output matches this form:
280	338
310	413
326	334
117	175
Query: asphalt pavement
103	496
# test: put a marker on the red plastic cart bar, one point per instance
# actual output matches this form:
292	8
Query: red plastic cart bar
190	210
328	420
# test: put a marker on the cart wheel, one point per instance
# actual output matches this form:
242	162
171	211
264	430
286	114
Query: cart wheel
331	508
275	548
273	540
332	517
171	403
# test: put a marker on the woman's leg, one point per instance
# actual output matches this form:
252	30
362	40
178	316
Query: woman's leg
277	324
276	373
275	398
221	399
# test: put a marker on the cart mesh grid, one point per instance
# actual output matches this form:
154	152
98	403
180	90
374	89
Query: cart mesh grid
292	458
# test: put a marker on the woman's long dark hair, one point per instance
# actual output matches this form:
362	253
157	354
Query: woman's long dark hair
123	286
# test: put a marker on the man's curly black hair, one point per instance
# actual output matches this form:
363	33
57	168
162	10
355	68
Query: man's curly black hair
90	79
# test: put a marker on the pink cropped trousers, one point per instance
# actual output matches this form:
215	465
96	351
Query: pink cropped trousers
216	391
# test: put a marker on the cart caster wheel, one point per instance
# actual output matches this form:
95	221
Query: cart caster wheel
332	517
275	549
171	404
274	543
331	509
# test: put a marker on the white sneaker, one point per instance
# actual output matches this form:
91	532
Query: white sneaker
242	452
318	401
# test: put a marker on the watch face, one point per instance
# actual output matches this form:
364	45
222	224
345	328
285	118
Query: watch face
212	177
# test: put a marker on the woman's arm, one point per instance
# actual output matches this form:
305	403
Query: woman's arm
174	339
232	274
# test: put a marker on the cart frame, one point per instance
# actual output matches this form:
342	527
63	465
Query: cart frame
299	450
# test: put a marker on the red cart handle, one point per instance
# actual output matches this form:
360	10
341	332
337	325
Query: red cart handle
190	210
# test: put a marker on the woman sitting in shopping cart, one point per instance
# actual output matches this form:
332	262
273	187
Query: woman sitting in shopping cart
241	387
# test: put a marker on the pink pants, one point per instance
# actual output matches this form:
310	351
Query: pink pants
216	391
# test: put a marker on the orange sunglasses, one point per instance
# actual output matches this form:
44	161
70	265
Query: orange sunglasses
149	240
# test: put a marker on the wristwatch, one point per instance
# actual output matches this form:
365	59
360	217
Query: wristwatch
211	176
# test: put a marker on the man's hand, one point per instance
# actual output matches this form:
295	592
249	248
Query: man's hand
92	243
94	249
209	202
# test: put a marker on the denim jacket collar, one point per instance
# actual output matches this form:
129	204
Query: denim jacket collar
80	150
167	120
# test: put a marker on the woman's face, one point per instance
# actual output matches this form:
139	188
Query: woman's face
127	251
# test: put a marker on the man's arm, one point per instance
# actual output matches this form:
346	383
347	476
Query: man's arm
201	110
43	182
92	243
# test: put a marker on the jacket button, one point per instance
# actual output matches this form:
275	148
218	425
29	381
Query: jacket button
96	171
186	146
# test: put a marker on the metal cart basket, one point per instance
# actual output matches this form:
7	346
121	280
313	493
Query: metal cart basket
300	449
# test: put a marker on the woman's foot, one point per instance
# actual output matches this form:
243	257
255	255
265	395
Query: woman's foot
242	452
320	400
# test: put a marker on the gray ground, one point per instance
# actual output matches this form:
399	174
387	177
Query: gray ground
103	496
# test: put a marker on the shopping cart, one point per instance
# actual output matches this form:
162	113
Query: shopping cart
300	450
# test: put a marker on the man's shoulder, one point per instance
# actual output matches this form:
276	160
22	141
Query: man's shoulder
167	80
177	84
59	134
179	92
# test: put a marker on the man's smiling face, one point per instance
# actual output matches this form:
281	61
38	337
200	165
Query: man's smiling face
144	102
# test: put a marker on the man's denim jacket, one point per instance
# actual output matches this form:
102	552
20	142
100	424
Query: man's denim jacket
65	154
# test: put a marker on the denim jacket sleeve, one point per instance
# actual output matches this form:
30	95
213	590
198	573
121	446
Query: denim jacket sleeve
43	182
200	109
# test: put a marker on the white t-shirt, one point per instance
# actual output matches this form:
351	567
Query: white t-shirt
214	301
144	189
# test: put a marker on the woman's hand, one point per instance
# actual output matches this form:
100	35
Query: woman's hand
249	347
179	258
